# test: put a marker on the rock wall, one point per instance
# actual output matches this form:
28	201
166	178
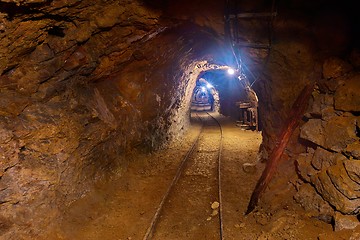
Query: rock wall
81	84
323	150
331	133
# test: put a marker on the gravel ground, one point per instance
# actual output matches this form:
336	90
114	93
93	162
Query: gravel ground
122	209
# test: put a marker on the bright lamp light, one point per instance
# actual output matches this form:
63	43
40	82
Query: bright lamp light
231	71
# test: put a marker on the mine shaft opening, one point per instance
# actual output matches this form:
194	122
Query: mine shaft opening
229	93
205	97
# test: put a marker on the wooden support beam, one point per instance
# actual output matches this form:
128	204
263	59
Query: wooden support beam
253	15
295	115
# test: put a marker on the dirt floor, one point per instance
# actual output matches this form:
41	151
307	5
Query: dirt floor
123	208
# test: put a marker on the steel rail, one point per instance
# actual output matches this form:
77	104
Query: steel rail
150	230
221	217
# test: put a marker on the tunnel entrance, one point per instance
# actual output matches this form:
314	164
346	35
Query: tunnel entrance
205	97
228	93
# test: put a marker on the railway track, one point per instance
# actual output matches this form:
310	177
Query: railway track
192	208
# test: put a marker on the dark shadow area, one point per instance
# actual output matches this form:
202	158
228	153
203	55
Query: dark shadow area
12	9
56	31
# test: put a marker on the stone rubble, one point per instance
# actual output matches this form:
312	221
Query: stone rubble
331	163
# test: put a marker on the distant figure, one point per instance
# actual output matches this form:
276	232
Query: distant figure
211	101
253	100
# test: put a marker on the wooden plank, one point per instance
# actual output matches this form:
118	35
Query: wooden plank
253	15
295	115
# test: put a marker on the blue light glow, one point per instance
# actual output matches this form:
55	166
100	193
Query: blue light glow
231	71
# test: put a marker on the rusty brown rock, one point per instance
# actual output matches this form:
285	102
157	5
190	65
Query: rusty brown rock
313	131
9	150
77	59
342	182
42	53
323	159
347	96
5	134
335	67
330	85
321	104
315	104
331	194
353	150
338	132
304	167
82	32
345	221
311	201
61	45
12	103
109	16
353	169
334	134
21	39
55	133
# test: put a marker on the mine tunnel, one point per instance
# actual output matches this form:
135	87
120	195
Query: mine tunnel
223	119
